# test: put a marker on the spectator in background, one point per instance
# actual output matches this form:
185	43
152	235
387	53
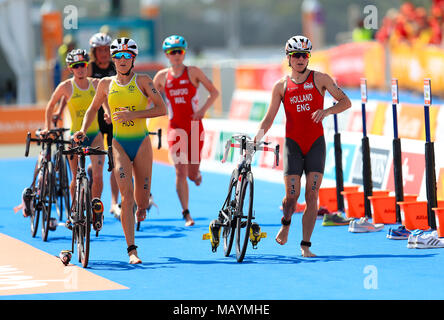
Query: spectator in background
68	45
386	29
423	33
412	25
436	26
360	33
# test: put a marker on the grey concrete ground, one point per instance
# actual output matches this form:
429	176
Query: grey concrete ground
18	150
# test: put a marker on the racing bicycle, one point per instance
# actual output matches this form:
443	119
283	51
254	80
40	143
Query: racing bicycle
41	195
84	210
236	215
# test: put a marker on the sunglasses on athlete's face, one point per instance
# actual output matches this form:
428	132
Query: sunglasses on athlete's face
78	65
125	55
298	55
176	51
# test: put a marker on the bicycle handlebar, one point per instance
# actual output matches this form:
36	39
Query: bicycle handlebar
52	131
89	151
247	144
44	140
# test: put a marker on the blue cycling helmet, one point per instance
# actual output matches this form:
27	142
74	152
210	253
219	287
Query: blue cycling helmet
173	42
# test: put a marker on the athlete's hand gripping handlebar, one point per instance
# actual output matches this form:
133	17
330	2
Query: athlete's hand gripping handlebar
44	138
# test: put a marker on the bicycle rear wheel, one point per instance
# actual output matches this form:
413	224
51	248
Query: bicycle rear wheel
244	216
230	203
61	188
35	212
83	225
47	198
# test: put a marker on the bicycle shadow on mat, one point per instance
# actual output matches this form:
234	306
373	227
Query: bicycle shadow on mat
281	259
114	265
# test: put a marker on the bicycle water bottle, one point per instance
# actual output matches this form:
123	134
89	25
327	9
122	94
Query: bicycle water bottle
97	210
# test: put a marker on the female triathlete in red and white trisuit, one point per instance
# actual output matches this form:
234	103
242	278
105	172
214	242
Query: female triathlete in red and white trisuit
185	130
302	94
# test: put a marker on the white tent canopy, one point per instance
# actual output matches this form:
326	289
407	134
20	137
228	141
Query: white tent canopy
16	41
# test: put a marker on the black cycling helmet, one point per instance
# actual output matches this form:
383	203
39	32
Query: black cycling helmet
76	55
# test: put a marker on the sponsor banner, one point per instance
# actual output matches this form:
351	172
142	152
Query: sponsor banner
379	161
354	121
380	155
258	77
413	168
433	65
411	64
440	184
217	132
252	105
162	154
379	119
411	121
15	122
348	154
439	167
407	66
352	61
240	109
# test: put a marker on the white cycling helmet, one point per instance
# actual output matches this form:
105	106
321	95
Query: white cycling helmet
99	40
124	44
298	43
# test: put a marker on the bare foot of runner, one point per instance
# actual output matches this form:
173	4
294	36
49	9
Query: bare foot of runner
134	259
141	214
282	235
188	220
132	253
306	252
198	179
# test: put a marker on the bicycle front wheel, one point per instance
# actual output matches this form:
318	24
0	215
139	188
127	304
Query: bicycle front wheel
230	202
47	198
244	216
83	227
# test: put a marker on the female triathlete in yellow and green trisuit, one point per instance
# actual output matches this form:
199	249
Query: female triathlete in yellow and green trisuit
127	95
79	91
129	134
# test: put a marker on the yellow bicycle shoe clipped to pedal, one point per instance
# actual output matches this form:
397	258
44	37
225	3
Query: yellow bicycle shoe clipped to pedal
97	214
256	235
213	235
